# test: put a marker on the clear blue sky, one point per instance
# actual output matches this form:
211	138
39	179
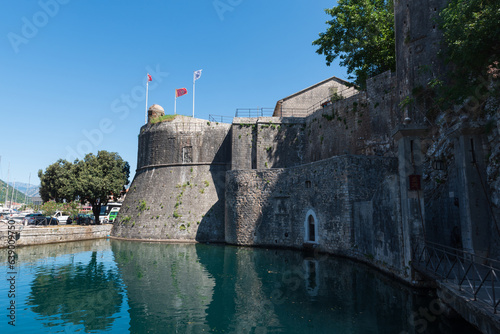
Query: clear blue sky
73	72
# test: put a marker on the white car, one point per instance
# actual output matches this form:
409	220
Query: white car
61	216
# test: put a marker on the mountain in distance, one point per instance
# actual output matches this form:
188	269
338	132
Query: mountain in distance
30	190
14	194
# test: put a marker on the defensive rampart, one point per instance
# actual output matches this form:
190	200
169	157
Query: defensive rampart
346	205
178	189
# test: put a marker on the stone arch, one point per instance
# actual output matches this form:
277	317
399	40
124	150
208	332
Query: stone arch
311	228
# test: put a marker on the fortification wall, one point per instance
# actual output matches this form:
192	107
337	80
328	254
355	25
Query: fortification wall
418	42
353	201
360	124
267	142
178	189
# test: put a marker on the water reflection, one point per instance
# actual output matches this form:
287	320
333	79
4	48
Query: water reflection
168	288
80	294
223	289
119	286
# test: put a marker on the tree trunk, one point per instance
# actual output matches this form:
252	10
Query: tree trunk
96	209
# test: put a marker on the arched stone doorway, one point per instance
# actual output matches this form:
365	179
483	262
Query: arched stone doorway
311	228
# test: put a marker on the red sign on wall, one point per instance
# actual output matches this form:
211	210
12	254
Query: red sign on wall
415	183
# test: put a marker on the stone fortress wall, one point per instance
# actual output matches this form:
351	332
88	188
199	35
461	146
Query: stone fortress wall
339	180
178	189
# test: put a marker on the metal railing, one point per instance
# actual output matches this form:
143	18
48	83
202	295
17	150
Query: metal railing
473	274
220	119
254	112
292	112
268	112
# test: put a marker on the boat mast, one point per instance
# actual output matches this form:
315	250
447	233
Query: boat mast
7	192
27	190
12	196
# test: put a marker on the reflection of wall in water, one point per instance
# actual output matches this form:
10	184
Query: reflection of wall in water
165	283
46	251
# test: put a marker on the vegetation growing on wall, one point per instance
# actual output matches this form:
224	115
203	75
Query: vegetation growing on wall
164	118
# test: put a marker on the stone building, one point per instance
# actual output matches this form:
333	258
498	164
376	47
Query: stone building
304	102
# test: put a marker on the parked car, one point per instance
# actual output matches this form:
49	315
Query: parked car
62	216
39	219
81	219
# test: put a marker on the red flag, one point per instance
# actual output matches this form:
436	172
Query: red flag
149	77
180	92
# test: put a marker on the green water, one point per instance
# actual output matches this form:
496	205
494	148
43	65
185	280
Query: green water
120	287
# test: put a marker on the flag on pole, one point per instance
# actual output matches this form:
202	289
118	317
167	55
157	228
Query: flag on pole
197	75
147	92
180	92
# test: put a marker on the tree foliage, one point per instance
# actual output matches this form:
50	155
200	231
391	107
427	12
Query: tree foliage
471	32
50	208
93	180
361	35
58	182
77	294
100	177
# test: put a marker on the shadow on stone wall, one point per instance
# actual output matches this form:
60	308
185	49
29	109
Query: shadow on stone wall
211	227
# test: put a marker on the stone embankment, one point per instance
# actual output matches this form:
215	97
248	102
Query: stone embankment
37	235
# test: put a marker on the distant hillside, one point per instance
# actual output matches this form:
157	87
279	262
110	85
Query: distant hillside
19	192
31	190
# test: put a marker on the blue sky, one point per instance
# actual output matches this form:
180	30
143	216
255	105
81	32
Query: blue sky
73	72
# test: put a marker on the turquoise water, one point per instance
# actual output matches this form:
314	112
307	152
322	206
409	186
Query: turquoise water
119	287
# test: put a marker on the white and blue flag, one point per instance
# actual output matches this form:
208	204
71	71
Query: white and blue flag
197	75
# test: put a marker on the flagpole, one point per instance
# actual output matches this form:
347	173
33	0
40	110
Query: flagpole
147	91
175	104
193	93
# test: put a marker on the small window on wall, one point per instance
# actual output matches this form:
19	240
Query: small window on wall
308	184
311	228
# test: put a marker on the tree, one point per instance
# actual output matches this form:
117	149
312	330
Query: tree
94	180
51	207
101	177
58	182
361	34
95	290
471	32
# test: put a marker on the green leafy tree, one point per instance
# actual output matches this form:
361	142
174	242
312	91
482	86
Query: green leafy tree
77	293
94	180
99	178
471	32
361	35
58	182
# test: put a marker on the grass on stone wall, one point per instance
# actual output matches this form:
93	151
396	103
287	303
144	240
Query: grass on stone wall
164	118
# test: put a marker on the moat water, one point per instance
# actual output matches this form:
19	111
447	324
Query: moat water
119	287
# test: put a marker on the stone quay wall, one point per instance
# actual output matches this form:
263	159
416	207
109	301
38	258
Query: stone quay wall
353	202
34	235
